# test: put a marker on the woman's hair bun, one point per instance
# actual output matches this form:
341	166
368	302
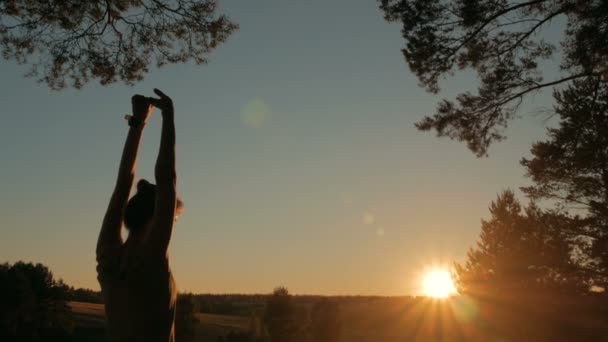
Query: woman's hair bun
144	185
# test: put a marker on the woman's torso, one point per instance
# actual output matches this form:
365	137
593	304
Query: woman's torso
140	295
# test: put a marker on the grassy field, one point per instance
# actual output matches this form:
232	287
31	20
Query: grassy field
382	320
88	314
213	326
418	319
90	323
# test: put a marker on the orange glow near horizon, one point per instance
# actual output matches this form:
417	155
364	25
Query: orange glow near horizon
437	283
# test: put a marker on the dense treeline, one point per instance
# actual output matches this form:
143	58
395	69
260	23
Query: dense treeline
83	295
32	304
247	304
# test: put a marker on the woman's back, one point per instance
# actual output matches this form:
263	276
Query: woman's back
139	293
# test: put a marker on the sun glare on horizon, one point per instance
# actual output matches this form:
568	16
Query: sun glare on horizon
437	283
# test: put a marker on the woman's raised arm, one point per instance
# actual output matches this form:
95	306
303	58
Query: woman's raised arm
166	199
112	221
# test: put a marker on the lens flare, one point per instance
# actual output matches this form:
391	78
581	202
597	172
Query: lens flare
255	113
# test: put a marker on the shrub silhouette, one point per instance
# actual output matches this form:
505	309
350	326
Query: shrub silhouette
185	318
32	305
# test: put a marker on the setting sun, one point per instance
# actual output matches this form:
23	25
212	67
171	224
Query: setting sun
438	284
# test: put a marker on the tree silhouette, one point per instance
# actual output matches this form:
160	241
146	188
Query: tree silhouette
571	167
520	250
31	303
279	316
504	43
73	41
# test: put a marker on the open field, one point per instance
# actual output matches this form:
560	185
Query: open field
88	314
223	321
211	327
90	320
417	319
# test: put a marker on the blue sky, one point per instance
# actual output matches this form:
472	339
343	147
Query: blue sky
298	161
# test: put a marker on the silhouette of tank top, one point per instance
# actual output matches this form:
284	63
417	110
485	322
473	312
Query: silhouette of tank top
139	292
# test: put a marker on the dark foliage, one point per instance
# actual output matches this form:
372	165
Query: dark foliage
529	276
32	307
504	43
520	250
69	42
570	169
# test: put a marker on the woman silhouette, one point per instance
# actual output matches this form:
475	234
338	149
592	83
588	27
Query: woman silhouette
135	276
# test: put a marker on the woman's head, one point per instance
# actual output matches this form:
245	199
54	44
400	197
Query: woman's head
140	208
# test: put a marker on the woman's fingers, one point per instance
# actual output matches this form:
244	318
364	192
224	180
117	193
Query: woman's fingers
160	93
163	103
155	102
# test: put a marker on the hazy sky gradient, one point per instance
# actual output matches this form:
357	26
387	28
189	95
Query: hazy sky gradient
298	161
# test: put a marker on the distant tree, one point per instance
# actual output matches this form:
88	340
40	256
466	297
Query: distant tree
279	316
32	305
84	295
325	321
520	250
185	318
504	42
570	168
73	41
